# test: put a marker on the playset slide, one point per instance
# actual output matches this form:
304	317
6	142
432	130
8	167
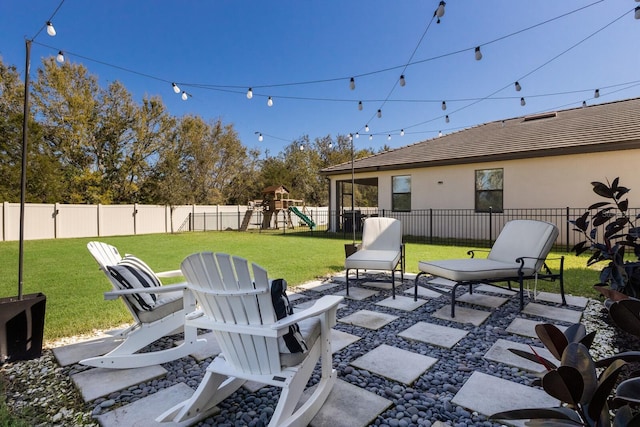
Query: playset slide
302	216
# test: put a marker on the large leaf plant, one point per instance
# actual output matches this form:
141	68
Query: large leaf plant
610	233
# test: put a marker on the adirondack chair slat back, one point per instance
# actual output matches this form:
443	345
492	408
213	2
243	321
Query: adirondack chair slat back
104	254
227	293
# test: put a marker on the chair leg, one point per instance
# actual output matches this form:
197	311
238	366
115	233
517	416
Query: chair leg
347	282
564	300
415	284
393	284
453	300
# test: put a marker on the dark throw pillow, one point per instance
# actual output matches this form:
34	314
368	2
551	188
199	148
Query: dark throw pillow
292	341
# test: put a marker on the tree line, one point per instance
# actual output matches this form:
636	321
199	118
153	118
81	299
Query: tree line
93	144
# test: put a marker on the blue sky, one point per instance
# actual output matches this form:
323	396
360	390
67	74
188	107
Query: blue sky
216	50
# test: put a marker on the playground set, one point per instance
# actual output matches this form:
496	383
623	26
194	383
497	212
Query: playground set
275	200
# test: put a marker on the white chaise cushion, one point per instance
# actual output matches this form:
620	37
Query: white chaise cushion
373	259
471	269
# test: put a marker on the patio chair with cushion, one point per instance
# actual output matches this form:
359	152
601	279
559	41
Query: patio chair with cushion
157	311
519	253
381	249
261	339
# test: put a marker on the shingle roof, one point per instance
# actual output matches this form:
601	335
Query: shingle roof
602	127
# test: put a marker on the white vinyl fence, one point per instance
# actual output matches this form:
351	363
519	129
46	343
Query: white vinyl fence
58	221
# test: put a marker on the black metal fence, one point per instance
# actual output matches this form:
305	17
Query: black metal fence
458	227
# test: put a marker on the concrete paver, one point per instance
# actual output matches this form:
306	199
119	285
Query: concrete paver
463	315
394	363
423	292
482	299
442	336
98	382
557	299
368	319
499	352
73	353
317	286
488	395
495	290
143	412
401	303
526	327
340	340
555	313
357	293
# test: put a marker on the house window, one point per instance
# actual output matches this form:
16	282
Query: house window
401	193
489	186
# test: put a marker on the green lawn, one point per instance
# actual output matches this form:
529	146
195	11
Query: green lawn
67	274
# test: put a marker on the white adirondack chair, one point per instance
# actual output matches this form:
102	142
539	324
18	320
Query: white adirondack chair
165	318
238	308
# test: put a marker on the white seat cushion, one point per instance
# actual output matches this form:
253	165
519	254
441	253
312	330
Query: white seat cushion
373	259
472	269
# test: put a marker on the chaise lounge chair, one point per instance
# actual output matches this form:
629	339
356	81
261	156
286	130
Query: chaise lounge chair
157	311
518	253
243	310
381	249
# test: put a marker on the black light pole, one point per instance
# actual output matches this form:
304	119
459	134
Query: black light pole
23	176
353	192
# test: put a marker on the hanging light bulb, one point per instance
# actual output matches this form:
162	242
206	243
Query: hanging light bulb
439	133
176	89
301	147
270	102
352	83
360	105
584	104
184	96
370	137
402	81
50	30
260	138
440	10
637	12
389	137
444	105
249	93
518	87
357	135
596	94
379	113
446	118
478	54
330	144
522	102
366	128
401	132
60	57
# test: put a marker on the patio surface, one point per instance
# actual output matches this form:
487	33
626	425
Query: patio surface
404	343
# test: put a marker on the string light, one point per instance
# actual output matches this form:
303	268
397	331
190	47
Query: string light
370	137
439	133
350	137
439	11
478	54
584	104
444	105
270	102
379	113
357	135
50	30
260	137
352	83
518	87
522	102
60	57
446	118
637	12
366	128
401	132
330	144
596	94
360	105
389	137
185	96
249	93
301	147
176	89
402	81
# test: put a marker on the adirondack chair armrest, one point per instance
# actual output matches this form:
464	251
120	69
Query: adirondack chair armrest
114	294
324	304
171	273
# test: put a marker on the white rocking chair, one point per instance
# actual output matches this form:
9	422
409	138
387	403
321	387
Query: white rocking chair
240	311
165	317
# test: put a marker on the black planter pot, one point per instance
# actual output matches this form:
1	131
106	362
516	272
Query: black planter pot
21	327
